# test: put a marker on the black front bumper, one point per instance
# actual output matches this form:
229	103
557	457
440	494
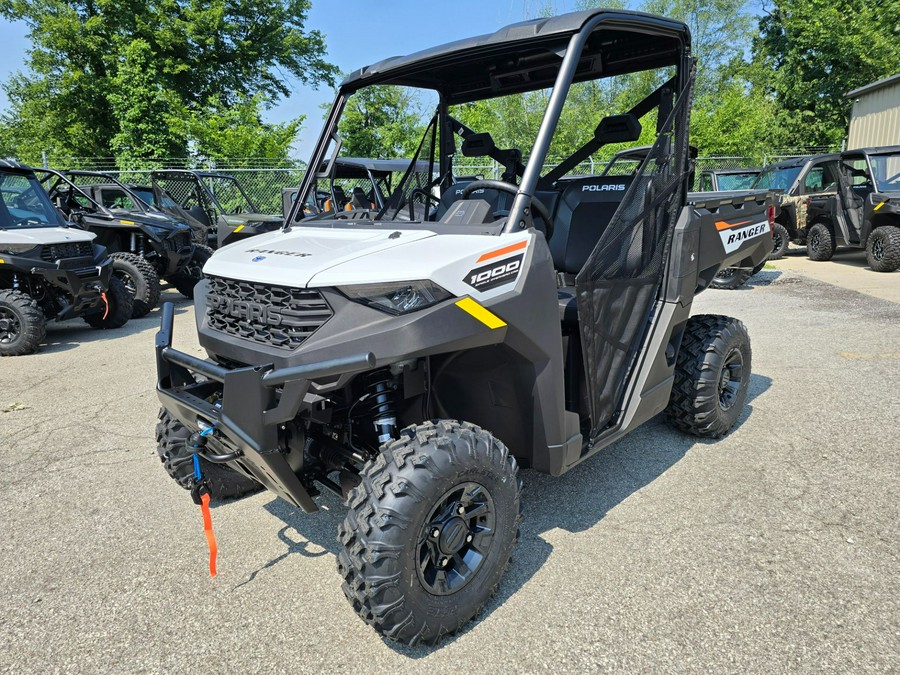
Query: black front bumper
245	406
84	285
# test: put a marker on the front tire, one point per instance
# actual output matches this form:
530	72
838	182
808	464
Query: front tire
430	530
731	277
781	238
193	271
820	243
22	324
224	483
118	310
712	376
883	249
141	280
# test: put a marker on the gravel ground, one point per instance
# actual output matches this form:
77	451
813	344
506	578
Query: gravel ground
772	550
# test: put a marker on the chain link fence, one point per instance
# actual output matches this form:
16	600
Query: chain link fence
263	179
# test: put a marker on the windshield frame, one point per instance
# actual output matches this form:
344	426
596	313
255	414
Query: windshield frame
54	218
881	184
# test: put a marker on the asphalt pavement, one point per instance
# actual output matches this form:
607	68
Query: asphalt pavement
774	549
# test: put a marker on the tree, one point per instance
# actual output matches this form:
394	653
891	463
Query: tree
382	122
222	133
106	77
815	52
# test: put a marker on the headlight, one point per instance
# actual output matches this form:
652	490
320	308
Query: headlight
16	249
397	297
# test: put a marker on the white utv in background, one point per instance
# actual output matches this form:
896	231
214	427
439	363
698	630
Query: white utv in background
48	270
412	357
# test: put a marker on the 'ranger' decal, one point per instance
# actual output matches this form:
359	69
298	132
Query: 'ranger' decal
495	274
733	238
295	254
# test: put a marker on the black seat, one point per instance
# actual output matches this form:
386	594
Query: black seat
359	199
586	208
498	200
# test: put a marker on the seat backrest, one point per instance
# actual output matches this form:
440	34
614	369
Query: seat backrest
359	199
586	207
498	200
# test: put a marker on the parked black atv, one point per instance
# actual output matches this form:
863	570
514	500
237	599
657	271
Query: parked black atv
412	357
216	201
145	244
48	270
862	211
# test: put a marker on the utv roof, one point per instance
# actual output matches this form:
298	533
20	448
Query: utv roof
882	150
525	56
728	172
12	165
357	167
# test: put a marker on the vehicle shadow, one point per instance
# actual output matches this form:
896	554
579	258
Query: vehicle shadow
580	500
65	335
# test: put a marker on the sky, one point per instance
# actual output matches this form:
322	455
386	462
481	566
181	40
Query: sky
355	36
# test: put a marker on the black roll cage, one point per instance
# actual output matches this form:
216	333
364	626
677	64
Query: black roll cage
198	176
567	41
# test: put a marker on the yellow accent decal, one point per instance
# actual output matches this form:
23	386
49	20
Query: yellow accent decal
127	222
2	261
485	316
880	205
239	228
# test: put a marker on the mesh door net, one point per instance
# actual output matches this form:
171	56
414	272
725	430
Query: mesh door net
618	285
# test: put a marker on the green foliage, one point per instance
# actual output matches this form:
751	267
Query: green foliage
382	122
816	51
118	77
223	133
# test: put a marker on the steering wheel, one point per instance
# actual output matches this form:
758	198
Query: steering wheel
428	198
536	203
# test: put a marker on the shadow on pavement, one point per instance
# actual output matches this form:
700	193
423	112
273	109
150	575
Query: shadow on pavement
65	335
574	502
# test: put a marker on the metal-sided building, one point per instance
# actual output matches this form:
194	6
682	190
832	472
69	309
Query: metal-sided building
875	120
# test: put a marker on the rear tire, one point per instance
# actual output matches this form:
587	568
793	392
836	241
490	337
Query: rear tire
224	483
408	584
120	306
781	239
22	324
820	243
193	271
731	277
883	249
141	280
712	376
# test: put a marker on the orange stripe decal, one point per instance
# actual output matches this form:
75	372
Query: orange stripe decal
722	225
503	251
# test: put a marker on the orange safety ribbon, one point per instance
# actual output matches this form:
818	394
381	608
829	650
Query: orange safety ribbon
208	531
105	302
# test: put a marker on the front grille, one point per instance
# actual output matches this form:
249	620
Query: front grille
177	241
275	316
77	249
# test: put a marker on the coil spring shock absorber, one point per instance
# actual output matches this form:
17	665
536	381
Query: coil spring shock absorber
381	386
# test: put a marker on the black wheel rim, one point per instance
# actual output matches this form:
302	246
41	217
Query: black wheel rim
128	281
730	379
10	326
456	539
814	241
878	249
726	274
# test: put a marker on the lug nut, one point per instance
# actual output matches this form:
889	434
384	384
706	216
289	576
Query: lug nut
435	533
461	510
442	562
469	539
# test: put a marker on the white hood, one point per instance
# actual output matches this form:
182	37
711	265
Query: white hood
294	258
44	235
